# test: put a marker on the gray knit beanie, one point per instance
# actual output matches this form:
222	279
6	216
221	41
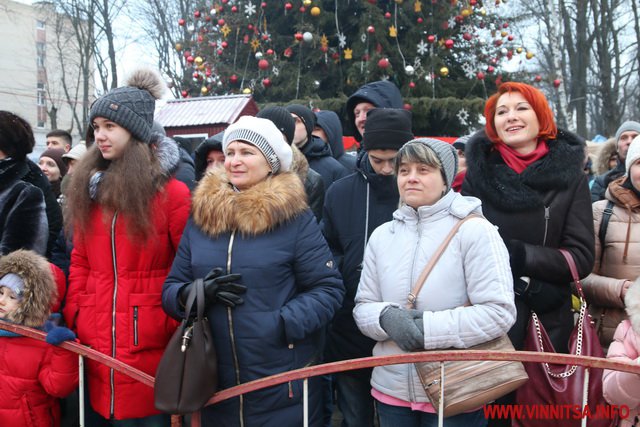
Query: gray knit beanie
13	282
447	155
625	127
133	105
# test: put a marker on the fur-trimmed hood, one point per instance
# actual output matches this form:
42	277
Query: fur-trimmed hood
632	304
167	152
607	149
494	181
218	208
40	289
300	165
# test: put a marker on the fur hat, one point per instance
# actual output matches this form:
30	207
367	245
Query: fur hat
387	129
306	115
16	136
56	155
625	127
133	105
265	136
633	154
39	291
282	119
447	155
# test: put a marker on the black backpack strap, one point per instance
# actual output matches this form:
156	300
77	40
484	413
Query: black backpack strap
604	224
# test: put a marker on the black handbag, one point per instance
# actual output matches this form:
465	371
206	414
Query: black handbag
187	375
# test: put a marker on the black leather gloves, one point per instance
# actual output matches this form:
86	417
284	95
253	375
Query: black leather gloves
218	288
405	327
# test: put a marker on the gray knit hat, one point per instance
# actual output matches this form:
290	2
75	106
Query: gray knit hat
633	154
625	127
13	282
445	152
132	106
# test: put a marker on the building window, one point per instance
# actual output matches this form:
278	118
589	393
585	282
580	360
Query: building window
41	54
41	95
40	25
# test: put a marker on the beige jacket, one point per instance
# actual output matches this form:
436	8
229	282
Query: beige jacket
620	261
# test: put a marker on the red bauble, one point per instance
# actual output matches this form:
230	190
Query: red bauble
324	49
365	57
207	18
265	37
480	75
538	78
224	45
288	6
250	27
219	52
181	22
298	36
266	82
233	79
302	9
335	56
407	106
431	38
225	1
196	14
383	63
467	36
490	69
371	29
387	15
190	59
473	2
263	4
269	51
448	44
221	22
208	72
510	38
497	42
196	75
557	83
420	20
412	85
234	9
505	25
200	39
372	1
263	64
184	93
288	52
459	19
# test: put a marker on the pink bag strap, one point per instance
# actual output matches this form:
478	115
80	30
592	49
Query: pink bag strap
574	271
413	295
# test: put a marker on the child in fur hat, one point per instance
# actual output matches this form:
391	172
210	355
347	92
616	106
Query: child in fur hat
33	374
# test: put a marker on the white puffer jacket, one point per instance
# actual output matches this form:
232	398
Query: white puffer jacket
474	269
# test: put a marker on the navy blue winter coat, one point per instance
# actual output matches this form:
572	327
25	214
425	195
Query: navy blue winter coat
321	160
268	235
346	215
330	124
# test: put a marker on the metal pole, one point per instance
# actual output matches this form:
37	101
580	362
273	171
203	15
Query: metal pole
81	388
441	404
585	395
305	402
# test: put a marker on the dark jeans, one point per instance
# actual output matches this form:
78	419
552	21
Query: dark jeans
354	399
394	416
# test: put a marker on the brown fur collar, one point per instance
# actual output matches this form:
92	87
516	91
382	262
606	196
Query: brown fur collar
218	208
300	165
40	288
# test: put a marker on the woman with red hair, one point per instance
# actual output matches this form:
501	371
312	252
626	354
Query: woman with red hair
528	175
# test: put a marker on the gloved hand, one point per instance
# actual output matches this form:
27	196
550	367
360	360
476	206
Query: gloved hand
218	288
56	335
517	256
402	328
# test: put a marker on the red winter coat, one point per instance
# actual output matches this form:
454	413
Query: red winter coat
114	299
33	374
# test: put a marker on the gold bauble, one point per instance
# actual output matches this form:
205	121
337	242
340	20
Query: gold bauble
519	49
444	71
315	11
178	47
246	91
198	60
307	3
530	55
204	90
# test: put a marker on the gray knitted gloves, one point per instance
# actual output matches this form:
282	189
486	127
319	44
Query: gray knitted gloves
405	327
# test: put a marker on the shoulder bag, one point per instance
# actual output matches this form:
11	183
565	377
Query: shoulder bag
187	375
563	385
466	385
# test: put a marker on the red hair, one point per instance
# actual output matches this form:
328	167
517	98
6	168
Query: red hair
534	97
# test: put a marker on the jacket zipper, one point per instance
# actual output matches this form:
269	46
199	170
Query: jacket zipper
547	215
113	312
236	364
135	325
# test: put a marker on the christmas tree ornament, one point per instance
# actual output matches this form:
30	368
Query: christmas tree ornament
412	85
196	14
307	37
315	11
449	44
263	64
387	15
557	83
420	20
407	106
221	22
198	60
178	47
233	79
307	3
190	59
288	6
258	55
184	93
234	9
371	29
490	69
529	55
393	33
444	71
480	75
266	82
246	91
298	36
417	6
383	63
302	9
409	70
538	78
316	84
181	22
204	90
431	38
348	54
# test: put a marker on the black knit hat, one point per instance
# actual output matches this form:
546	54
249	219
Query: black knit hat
132	106
282	119
387	129
306	115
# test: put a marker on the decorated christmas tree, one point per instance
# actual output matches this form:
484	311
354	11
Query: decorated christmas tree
440	53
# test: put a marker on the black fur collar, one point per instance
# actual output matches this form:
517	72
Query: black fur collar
492	180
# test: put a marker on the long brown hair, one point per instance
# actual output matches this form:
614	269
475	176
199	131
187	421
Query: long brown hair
128	186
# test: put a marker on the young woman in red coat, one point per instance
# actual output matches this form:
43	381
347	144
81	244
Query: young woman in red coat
127	214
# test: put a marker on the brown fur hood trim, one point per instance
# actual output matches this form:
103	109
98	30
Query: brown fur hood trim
218	208
300	165
608	148
39	286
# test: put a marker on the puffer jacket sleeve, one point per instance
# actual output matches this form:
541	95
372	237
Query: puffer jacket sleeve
369	304
179	276
489	281
548	264
59	372
622	388
601	290
78	276
319	286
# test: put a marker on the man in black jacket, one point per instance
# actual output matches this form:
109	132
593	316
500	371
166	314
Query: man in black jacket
624	135
354	206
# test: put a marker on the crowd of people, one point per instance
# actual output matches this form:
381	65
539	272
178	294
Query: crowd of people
308	253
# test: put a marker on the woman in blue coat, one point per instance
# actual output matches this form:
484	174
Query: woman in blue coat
252	223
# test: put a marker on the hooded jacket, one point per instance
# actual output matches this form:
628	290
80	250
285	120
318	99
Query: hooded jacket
114	296
330	123
23	216
607	149
268	235
546	207
33	374
467	298
620	258
382	94
321	160
623	388
354	207
313	184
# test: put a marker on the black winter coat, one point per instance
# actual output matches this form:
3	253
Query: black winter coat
321	160
330	123
546	207
601	182
345	217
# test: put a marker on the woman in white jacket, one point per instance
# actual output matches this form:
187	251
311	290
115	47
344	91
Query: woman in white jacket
466	300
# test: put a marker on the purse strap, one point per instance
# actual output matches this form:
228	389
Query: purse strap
196	295
413	295
574	271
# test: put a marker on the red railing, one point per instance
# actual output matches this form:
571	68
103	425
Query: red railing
347	365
